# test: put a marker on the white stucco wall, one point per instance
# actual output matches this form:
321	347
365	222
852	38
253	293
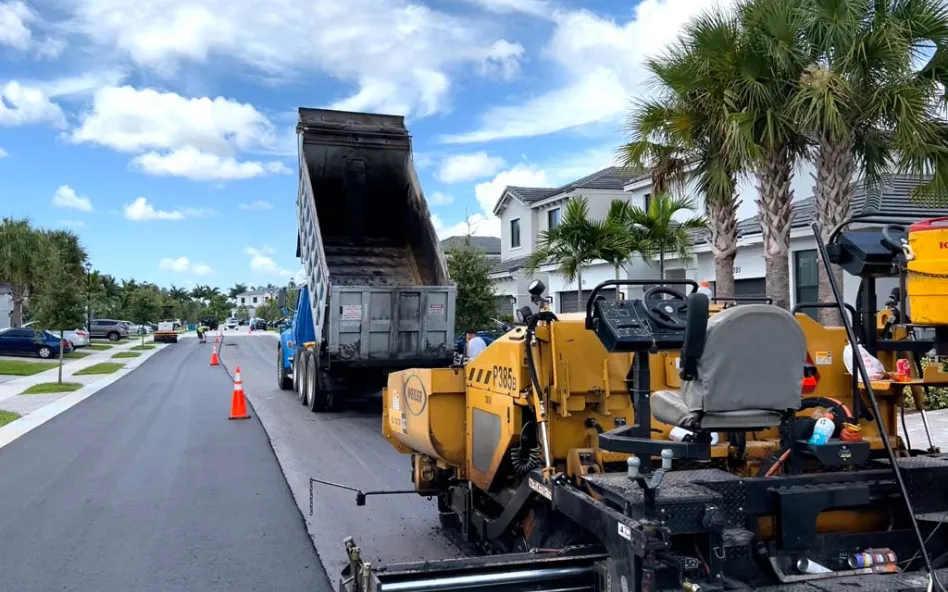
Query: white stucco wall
6	307
515	209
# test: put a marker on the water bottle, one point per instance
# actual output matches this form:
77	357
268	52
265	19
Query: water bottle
822	431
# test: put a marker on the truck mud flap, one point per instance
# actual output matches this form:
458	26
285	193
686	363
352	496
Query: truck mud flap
573	569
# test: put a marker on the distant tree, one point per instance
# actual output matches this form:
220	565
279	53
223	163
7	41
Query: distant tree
20	248
292	298
58	305
470	269
220	305
144	307
179	294
69	250
268	311
660	229
236	290
242	313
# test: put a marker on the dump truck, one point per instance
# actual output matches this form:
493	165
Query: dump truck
377	296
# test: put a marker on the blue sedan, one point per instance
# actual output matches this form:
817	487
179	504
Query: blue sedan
29	342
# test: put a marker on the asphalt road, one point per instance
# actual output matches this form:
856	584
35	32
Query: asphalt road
147	486
346	448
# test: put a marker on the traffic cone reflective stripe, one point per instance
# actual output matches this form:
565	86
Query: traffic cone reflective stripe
215	361
238	403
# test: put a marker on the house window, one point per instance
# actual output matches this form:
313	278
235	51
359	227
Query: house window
806	274
243	300
515	233
254	299
552	218
648	201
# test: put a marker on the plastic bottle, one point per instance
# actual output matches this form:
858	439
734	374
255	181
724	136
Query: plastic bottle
822	431
705	288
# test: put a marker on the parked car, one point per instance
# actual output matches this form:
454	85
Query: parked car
232	323
30	342
259	325
109	329
77	337
140	329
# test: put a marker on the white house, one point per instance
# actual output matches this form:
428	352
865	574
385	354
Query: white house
891	197
524	212
251	299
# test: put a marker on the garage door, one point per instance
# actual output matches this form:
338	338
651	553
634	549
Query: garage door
756	287
568	302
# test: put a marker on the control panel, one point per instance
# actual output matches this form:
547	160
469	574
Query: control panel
633	325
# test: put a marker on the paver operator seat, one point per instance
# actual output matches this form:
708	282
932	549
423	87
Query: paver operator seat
741	370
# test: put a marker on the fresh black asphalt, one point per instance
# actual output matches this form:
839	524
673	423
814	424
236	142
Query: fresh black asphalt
147	486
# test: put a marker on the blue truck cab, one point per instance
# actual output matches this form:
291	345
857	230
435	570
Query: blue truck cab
300	331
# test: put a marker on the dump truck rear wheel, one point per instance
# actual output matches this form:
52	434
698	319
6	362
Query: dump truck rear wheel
300	379
323	399
311	381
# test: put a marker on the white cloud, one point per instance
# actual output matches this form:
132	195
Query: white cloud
25	105
262	264
142	211
4	153
487	194
439	199
532	7
176	136
185	265
72	223
603	63
259	204
193	164
15	20
396	53
131	120
14	31
66	197
82	84
468	167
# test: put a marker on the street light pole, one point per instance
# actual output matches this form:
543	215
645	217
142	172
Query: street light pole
88	296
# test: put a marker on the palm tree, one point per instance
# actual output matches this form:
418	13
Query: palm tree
686	125
862	101
629	240
20	249
574	243
659	229
178	294
65	245
770	57
236	290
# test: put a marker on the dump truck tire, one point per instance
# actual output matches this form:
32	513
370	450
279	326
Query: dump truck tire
300	375
311	386
323	396
284	381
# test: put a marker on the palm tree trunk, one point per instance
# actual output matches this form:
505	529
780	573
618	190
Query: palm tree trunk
62	336
618	288
661	263
18	295
579	289
722	222
774	196
835	167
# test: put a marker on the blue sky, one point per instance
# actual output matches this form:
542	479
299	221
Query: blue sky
162	131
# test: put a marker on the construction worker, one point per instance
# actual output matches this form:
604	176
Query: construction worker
475	344
202	333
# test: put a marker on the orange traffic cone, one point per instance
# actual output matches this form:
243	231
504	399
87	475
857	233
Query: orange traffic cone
217	340
249	330
215	361
238	404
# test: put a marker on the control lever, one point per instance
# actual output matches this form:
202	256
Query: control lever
651	486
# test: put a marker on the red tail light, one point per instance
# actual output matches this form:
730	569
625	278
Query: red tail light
811	376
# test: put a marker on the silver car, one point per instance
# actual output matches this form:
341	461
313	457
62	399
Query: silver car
108	329
77	337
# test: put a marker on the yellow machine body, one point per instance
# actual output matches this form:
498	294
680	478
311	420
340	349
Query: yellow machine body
927	281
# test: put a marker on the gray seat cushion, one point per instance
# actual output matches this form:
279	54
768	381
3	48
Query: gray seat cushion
748	376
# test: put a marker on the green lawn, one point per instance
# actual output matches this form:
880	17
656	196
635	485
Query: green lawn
142	347
76	355
128	354
103	368
45	388
8	416
24	368
100	346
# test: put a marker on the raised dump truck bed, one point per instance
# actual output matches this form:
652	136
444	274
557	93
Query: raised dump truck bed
378	291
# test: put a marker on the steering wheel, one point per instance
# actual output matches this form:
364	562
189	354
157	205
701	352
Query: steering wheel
666	313
889	240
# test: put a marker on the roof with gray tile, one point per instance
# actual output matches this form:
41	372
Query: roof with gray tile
488	244
613	177
509	265
892	197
